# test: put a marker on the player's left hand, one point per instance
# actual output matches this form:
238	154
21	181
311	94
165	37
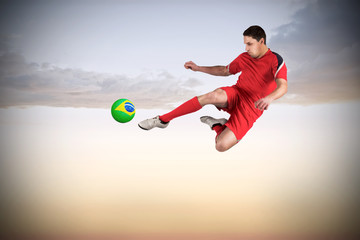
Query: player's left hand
263	103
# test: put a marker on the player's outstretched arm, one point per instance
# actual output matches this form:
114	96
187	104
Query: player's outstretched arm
215	70
281	89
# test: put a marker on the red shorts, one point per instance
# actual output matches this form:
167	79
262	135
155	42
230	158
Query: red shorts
242	111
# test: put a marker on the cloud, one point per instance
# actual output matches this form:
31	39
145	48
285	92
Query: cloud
320	47
27	84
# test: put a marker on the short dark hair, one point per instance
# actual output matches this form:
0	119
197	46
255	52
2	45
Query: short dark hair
255	32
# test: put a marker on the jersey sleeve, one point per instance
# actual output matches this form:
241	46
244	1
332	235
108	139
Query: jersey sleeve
282	72
234	66
279	67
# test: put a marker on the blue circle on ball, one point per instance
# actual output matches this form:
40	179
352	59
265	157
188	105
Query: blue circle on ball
129	107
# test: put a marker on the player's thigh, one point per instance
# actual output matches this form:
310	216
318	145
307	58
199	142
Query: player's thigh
222	98
226	140
218	97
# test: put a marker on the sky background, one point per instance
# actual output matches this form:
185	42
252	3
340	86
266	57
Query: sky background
68	169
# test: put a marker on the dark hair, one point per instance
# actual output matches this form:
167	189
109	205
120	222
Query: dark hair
255	32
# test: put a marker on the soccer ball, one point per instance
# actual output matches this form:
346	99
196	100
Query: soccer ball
123	110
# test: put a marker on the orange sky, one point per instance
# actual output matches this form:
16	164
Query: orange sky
90	175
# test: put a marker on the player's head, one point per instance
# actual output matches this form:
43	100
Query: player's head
255	41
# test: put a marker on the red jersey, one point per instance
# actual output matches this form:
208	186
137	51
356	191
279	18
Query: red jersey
256	81
258	75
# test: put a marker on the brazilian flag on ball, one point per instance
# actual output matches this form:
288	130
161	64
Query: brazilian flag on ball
123	110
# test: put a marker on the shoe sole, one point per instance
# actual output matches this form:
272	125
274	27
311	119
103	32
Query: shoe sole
201	119
149	128
143	128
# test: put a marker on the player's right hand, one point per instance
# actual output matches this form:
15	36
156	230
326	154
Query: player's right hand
191	65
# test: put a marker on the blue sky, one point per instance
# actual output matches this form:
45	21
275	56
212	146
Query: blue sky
63	63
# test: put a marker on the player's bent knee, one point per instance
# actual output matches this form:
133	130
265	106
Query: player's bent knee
221	146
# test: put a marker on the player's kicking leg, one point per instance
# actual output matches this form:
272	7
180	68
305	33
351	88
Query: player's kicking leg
217	98
225	138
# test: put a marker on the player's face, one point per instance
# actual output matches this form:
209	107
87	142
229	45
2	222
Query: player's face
252	46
